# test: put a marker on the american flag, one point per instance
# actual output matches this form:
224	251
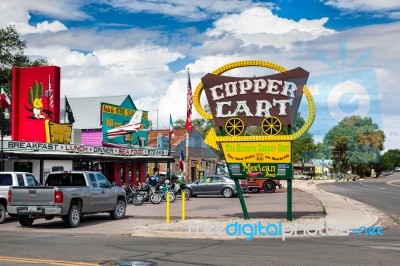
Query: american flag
189	106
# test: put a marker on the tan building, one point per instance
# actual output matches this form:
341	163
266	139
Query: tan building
203	160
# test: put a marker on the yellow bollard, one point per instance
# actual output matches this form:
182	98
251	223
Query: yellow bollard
168	209
183	206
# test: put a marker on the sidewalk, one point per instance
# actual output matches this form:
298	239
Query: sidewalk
311	206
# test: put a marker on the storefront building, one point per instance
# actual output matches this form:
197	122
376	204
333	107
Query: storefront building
52	134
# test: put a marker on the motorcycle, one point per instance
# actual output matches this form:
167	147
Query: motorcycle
133	195
163	189
179	186
149	193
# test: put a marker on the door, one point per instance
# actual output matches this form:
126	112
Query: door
215	186
200	187
96	195
107	193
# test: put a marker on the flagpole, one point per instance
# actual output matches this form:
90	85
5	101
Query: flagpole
188	170
65	107
188	176
169	151
170	136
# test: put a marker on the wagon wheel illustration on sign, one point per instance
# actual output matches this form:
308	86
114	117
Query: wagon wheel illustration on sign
272	132
234	127
271	125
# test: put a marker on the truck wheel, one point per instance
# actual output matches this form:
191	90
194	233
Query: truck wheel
119	210
255	190
227	192
3	213
73	218
269	186
25	220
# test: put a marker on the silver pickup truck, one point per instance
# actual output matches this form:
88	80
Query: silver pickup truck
68	195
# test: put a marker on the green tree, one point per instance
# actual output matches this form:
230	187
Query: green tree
12	50
179	124
304	148
390	160
357	142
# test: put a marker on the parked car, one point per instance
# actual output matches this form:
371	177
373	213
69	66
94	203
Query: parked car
300	176
258	184
216	185
8	179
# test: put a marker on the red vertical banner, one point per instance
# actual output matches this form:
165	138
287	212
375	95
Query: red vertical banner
35	99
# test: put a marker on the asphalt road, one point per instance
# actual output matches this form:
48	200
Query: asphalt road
63	249
381	193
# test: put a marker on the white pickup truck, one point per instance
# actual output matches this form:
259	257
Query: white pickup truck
68	195
8	179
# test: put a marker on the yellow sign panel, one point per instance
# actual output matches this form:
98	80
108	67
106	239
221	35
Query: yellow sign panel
58	133
257	152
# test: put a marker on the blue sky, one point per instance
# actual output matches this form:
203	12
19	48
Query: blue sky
142	48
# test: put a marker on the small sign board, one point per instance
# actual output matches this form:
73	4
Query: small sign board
271	159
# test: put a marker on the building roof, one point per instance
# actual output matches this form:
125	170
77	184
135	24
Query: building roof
196	143
87	111
178	137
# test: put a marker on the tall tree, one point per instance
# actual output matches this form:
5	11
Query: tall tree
179	124
12	53
357	142
390	160
304	147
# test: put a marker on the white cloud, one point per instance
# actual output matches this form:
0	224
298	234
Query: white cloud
259	26
365	5
19	14
45	26
17	11
140	71
187	10
389	8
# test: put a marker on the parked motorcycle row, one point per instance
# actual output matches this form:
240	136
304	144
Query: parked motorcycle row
146	193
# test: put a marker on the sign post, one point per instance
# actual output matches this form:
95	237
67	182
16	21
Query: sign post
269	102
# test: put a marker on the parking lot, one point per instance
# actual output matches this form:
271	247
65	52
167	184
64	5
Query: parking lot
259	205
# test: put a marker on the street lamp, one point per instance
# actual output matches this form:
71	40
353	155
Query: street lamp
5	114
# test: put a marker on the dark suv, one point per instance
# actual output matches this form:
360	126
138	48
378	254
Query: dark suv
216	185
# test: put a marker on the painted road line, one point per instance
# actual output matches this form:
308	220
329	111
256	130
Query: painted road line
390	183
50	262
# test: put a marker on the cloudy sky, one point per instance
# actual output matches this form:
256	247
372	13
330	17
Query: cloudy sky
143	48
